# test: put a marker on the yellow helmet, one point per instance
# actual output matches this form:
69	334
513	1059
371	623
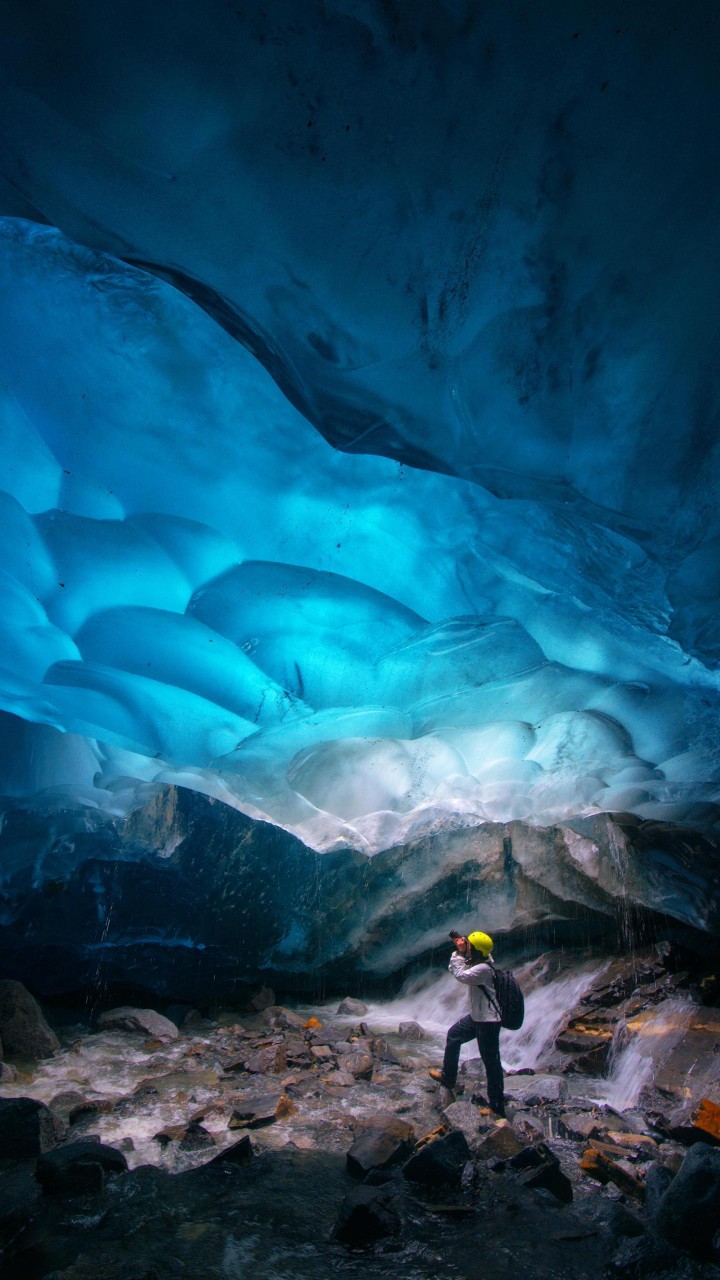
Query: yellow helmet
481	942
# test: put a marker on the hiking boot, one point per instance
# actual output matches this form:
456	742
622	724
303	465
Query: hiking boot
436	1074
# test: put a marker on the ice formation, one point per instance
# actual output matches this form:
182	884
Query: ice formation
360	458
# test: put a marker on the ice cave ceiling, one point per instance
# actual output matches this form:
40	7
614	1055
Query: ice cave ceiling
359	383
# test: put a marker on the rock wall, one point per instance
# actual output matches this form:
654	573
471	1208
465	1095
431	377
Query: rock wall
189	898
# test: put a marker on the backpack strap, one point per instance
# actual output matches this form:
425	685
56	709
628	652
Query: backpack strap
492	999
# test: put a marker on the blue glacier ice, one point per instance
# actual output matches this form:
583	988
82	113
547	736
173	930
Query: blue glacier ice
360	420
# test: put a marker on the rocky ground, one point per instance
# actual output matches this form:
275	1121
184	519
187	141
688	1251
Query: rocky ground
289	1141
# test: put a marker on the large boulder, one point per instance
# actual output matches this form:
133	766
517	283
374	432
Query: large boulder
688	1214
367	1214
144	1021
78	1167
27	1128
380	1146
23	1029
355	1008
440	1160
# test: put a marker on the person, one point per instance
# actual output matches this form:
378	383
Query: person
471	963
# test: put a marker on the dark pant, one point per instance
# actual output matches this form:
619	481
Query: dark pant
487	1035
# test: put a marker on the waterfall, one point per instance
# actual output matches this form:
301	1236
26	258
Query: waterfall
546	1010
640	1048
437	1000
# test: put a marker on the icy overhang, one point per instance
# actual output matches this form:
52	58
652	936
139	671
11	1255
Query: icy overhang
389	498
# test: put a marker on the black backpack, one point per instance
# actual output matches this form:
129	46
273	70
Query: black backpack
509	1001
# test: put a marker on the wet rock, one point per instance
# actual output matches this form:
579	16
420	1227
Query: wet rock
254	1115
340	1079
440	1159
527	1127
271	1059
358	1065
616	1218
383	1143
355	1008
539	1169
643	1257
196	1138
500	1143
277	1015
89	1107
636	1145
28	1128
19	1193
604	1168
535	1091
657	1180
464	1116
8	1073
322	1053
146	1021
285	1107
412	1031
367	1214
262	999
238	1154
692	1123
579	1125
688	1213
78	1167
23	1029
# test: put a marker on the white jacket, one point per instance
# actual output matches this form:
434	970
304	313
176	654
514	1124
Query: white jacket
479	978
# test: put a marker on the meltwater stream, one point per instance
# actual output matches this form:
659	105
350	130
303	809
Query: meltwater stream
435	1002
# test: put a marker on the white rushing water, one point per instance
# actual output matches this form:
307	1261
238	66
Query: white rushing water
640	1049
437	1000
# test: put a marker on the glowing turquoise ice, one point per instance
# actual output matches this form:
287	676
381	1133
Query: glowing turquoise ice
197	587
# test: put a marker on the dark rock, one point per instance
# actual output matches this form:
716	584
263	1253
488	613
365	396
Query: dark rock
89	1107
277	1015
412	1031
615	1217
688	1213
27	1128
263	998
690	1123
441	1159
254	1115
63	1103
146	1021
548	1176
73	1168
19	1193
196	1138
360	1065
380	1148
657	1180
646	1257
272	1058
500	1143
579	1125
355	1008
367	1214
8	1073
23	1029
465	1117
239	1153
